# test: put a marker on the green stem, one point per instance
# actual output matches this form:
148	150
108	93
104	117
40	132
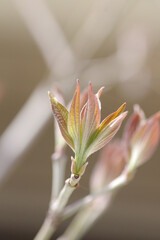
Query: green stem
115	184
56	207
58	172
46	230
70	185
91	208
86	218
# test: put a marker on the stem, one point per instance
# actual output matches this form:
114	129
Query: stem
58	172
58	160
86	218
56	207
115	184
70	185
46	230
91	208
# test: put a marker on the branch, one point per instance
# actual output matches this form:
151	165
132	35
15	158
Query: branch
56	207
115	184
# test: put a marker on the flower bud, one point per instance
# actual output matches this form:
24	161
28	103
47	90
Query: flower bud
141	137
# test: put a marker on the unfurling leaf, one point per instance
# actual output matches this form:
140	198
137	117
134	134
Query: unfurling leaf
81	127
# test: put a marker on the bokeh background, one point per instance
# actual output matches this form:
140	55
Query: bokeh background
111	43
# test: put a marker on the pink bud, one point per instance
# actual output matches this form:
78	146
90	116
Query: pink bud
146	138
132	124
141	137
110	165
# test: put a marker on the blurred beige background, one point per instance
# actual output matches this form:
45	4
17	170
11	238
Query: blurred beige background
111	43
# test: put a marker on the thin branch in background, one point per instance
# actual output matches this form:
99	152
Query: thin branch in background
47	34
21	133
23	123
107	14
